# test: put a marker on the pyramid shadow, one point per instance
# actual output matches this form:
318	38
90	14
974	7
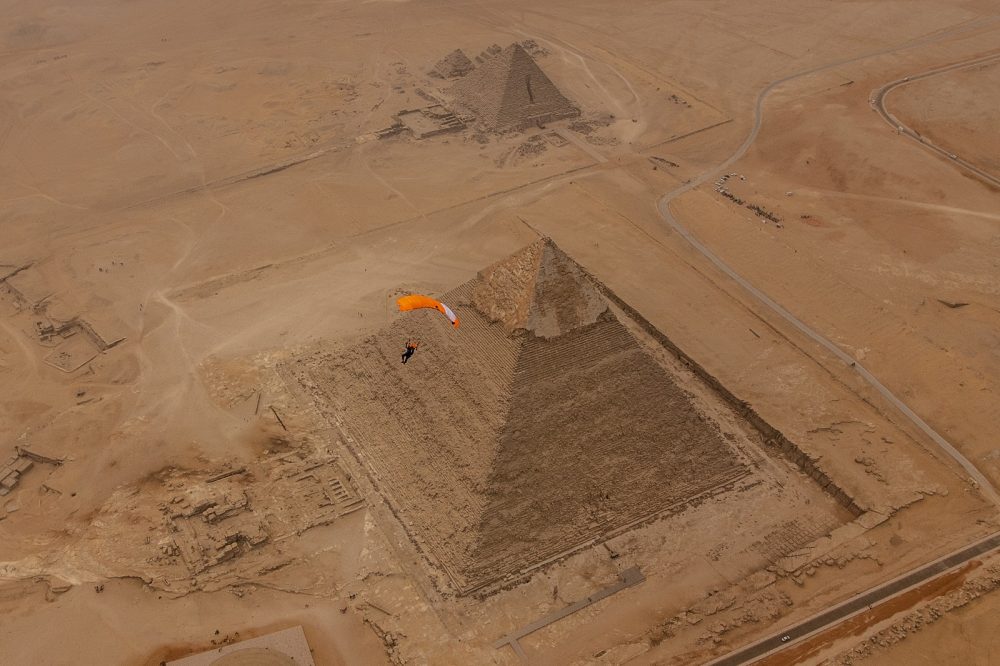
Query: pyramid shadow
541	425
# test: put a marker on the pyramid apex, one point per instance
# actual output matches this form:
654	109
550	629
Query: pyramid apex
539	290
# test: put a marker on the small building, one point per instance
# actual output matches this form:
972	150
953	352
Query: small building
429	121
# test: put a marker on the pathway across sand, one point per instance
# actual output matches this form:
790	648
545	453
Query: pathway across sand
878	102
663	207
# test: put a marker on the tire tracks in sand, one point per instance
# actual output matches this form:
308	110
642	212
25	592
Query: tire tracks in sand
977	478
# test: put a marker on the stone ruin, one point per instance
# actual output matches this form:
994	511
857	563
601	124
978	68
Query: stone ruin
18	465
75	339
489	52
453	65
429	121
221	519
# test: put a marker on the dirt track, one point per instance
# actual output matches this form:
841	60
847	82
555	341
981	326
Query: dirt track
879	102
663	206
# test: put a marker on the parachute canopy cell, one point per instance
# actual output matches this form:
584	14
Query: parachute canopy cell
417	301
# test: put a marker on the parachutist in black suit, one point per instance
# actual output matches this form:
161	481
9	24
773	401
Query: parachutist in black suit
411	347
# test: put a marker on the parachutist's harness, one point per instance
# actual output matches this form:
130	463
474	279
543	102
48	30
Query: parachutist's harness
410	348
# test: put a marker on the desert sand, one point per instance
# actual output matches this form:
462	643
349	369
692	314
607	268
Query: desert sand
206	434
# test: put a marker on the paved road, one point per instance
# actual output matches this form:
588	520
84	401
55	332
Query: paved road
859	603
663	206
878	101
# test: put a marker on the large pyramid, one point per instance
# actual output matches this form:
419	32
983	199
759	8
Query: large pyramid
543	423
510	92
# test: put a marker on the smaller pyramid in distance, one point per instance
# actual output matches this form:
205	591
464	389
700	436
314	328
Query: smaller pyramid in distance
509	92
453	65
488	53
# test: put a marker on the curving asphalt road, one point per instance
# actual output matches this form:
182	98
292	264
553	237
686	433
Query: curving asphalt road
663	206
878	102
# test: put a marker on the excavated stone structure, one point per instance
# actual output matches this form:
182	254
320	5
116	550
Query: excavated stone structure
453	65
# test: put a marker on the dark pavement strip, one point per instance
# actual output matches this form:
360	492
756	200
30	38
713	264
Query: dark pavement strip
867	599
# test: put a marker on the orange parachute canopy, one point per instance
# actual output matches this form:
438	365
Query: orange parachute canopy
417	301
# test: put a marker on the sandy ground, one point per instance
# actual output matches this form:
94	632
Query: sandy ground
94	623
949	110
966	636
192	195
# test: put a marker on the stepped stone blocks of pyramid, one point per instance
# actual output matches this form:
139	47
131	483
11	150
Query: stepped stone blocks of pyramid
540	425
488	53
453	65
509	92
